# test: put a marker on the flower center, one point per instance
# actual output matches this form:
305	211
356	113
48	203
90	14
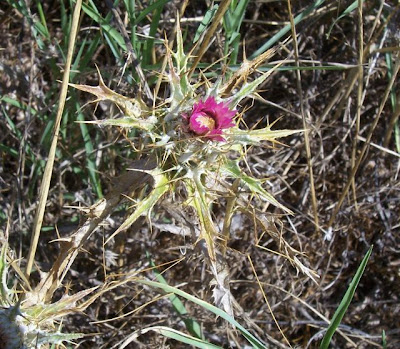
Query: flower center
207	121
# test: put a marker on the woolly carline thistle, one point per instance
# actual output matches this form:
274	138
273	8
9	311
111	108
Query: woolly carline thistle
209	118
201	171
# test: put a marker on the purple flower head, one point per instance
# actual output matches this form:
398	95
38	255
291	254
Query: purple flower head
209	118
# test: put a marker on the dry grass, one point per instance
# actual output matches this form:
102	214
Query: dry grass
350	203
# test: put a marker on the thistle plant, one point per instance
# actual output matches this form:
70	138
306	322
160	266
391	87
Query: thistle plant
27	322
195	142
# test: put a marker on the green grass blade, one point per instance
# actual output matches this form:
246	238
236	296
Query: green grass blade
43	23
113	45
286	29
113	35
21	105
256	343
45	138
344	304
90	158
38	29
78	59
397	136
149	9
65	22
130	9
31	156
183	338
205	22
148	47
192	325
384	344
8	150
90	50
233	19
346	12
238	14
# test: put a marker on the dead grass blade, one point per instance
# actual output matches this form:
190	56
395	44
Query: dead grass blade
44	188
247	68
366	145
132	59
359	95
229	211
223	7
266	301
305	122
126	184
392	122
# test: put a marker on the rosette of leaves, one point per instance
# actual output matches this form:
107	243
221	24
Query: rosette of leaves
198	146
28	322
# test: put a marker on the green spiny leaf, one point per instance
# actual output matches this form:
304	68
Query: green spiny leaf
233	170
66	305
161	186
246	90
258	135
202	206
4	290
54	338
127	122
